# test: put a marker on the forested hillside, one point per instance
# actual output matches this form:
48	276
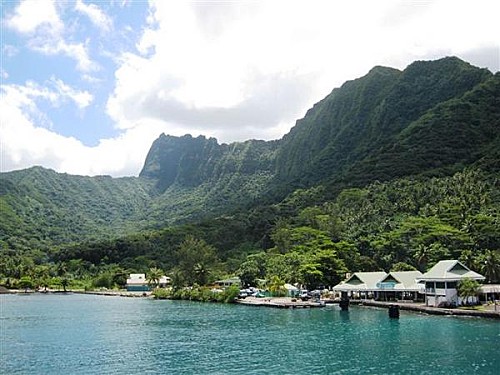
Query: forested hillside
40	208
364	130
394	169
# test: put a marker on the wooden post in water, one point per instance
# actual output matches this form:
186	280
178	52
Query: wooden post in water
344	301
394	311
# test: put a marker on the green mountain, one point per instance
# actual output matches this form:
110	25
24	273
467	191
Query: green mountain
351	135
432	119
197	177
40	208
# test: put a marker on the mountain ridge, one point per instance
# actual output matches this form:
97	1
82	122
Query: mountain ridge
382	126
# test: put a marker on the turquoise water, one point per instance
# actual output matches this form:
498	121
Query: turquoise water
84	334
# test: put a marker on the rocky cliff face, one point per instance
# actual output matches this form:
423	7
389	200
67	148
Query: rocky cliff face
190	162
384	125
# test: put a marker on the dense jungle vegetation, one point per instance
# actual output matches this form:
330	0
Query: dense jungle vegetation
395	170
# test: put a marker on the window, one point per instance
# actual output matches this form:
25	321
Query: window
429	287
440	285
451	285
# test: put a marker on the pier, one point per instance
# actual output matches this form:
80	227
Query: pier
279	302
418	307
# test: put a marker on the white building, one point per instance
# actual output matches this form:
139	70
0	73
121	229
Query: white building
382	285
137	282
441	282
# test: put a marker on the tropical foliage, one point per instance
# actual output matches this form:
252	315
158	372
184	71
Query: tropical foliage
395	170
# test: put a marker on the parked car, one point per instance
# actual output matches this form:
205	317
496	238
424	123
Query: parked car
242	294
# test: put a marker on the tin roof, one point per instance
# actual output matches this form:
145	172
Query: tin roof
452	270
378	281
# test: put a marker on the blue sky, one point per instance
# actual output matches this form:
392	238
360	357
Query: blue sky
86	86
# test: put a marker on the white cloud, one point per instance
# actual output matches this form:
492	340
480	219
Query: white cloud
95	14
31	16
233	70
76	51
40	22
238	70
26	96
24	141
9	50
81	98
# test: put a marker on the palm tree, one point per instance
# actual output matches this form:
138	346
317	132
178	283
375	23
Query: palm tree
490	265
276	286
200	274
421	256
154	277
467	288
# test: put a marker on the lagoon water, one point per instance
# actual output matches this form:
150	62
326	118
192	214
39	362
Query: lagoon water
85	334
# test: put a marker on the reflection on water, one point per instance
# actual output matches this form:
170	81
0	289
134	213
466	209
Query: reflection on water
80	334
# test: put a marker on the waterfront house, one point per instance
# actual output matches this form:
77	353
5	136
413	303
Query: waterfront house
489	293
382	286
225	283
137	282
401	285
164	281
361	284
441	282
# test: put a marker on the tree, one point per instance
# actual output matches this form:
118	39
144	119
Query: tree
176	279
332	268
64	283
154	276
276	286
248	272
401	266
200	273
25	283
490	265
310	275
467	288
196	258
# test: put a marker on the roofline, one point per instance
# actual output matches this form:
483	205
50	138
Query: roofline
451	278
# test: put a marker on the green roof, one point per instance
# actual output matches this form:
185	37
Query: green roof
362	281
377	281
452	270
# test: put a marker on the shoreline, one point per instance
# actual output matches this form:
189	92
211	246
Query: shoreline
289	303
420	308
115	293
108	293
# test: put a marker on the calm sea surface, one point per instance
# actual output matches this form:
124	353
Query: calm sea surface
84	334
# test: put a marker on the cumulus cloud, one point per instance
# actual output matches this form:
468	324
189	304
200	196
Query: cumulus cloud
232	70
228	81
31	16
25	140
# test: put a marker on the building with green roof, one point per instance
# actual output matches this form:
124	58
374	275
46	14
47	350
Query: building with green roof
441	282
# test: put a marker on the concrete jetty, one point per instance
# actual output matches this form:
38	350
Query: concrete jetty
418	307
279	302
